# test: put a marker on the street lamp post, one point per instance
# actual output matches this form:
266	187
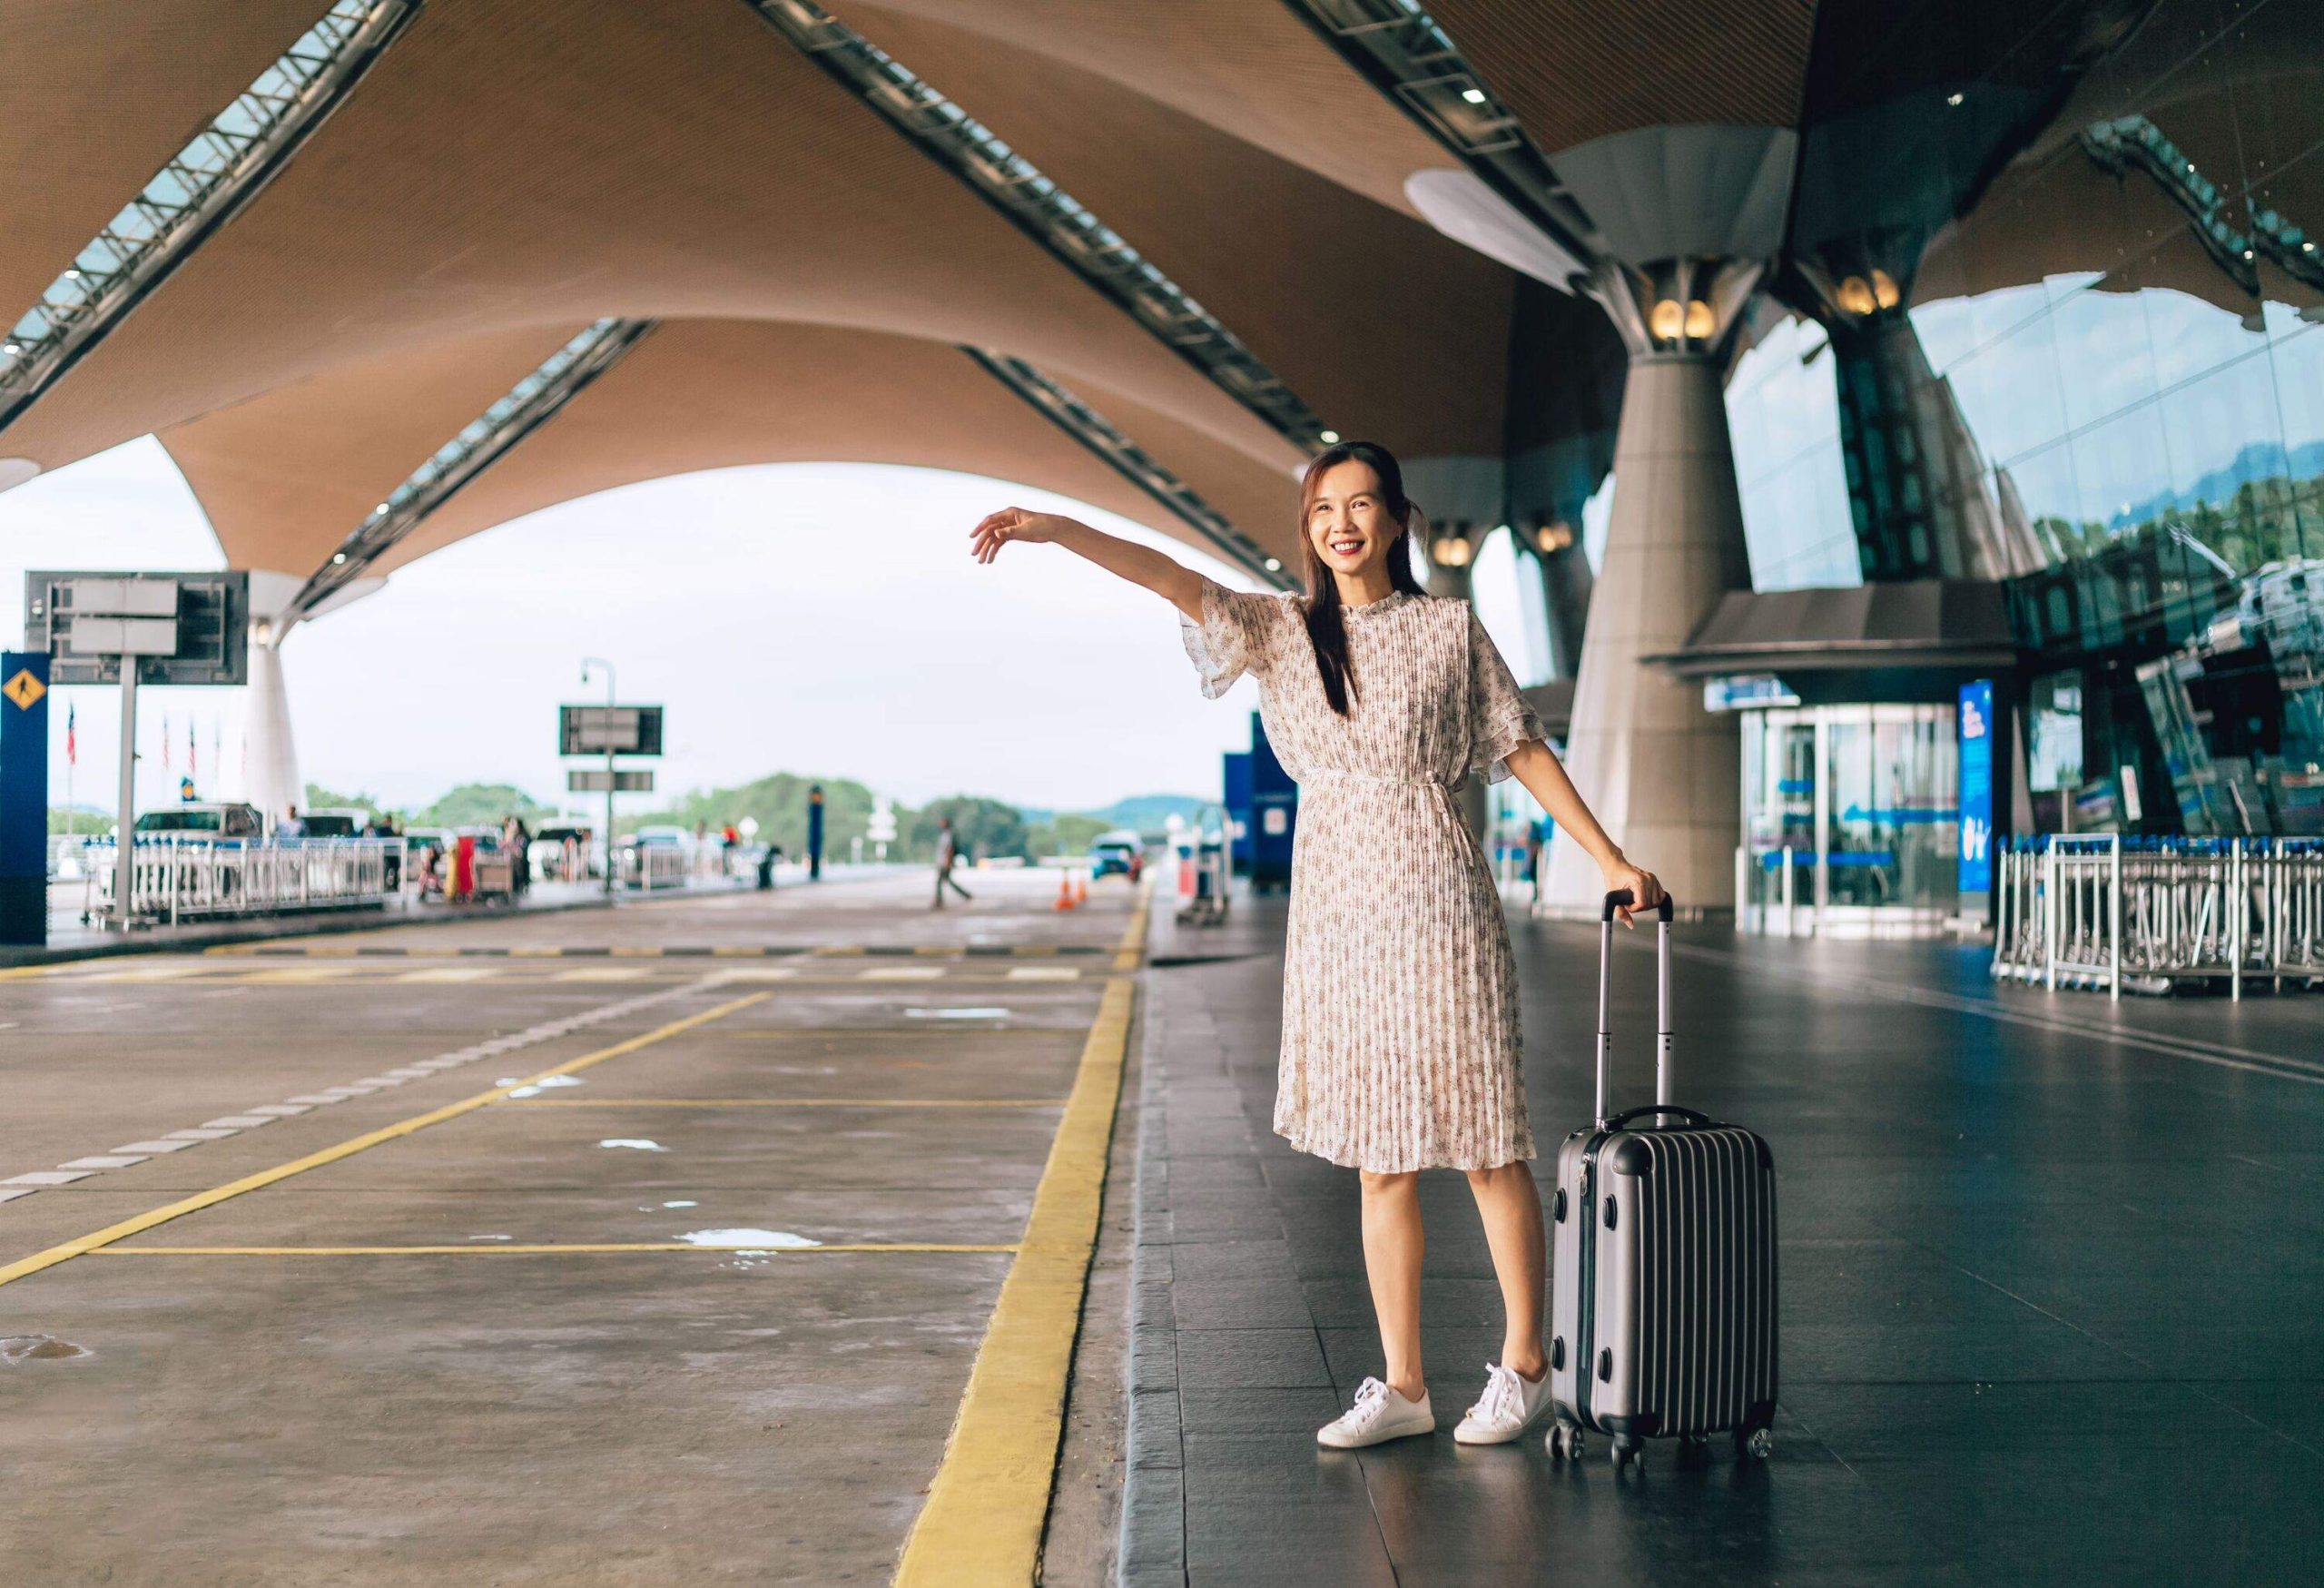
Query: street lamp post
587	663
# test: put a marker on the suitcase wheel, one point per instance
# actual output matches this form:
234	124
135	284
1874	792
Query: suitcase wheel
1754	1444
1628	1451
1565	1442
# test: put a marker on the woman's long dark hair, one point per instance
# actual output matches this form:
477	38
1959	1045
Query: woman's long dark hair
1325	630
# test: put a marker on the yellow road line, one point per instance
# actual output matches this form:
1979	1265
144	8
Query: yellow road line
81	1245
991	1497
785	1103
487	1248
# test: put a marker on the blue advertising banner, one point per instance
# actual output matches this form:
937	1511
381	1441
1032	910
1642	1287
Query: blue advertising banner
1977	786
23	798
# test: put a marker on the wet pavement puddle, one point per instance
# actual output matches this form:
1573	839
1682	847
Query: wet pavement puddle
16	1348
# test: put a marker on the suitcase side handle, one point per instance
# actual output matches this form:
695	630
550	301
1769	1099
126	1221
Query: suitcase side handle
1662	909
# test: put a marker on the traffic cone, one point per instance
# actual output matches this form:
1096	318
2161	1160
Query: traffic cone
1080	890
1064	891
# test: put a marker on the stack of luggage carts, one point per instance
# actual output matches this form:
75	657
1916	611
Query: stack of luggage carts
2149	914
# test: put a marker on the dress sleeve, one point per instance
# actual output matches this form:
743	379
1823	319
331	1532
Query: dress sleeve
1499	718
1236	636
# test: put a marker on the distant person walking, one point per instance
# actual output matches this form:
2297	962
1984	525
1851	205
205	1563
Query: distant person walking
1382	701
947	851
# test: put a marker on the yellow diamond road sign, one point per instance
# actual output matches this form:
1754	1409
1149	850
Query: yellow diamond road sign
24	689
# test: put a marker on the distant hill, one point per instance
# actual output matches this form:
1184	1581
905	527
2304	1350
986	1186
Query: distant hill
1140	812
2257	462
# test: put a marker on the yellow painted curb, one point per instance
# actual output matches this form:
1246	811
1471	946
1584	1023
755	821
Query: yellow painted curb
991	1497
82	1245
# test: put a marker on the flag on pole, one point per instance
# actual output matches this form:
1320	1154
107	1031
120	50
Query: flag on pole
72	736
191	749
165	740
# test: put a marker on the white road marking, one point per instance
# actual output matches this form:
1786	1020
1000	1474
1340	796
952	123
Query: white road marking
217	1129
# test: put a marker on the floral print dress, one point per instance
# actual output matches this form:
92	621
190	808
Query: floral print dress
1400	1031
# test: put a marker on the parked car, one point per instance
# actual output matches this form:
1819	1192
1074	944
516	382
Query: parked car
1119	850
335	822
224	821
551	864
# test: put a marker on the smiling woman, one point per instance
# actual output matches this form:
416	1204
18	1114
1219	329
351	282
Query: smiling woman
1400	1022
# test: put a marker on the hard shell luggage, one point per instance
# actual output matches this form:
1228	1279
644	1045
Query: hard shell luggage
1663	1277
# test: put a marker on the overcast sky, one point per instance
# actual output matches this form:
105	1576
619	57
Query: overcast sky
819	618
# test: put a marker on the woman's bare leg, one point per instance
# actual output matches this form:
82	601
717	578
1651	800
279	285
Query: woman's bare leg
1393	1245
1512	1209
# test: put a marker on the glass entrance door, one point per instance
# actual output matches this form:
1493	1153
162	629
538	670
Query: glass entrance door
1863	797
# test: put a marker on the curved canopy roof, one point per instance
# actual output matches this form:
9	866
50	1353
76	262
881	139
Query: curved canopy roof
506	173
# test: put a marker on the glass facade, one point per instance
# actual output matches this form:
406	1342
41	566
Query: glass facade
2099	379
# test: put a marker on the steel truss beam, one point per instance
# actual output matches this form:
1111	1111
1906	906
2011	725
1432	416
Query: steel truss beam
1132	462
1402	52
1038	207
204	186
531	403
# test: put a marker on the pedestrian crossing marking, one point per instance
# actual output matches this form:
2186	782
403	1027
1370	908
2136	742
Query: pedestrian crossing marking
901	973
452	973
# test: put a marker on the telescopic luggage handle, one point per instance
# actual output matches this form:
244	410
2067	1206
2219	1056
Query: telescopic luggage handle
1618	899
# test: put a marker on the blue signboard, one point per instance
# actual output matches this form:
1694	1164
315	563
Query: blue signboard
23	798
1977	786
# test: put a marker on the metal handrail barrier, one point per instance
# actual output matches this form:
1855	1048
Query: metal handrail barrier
653	865
2100	909
174	878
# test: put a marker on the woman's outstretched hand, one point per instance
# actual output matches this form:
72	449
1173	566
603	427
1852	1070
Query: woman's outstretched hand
1645	892
1010	524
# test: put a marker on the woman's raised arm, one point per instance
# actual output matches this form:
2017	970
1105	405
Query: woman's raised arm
1178	585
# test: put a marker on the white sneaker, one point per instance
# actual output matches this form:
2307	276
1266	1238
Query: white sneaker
1378	1415
1508	1407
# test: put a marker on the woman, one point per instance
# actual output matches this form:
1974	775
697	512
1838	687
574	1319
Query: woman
1400	1042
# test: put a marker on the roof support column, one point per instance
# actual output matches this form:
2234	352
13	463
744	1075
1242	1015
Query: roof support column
270	777
1658	771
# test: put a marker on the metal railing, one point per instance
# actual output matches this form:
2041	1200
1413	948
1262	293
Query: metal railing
172	879
653	865
2146	914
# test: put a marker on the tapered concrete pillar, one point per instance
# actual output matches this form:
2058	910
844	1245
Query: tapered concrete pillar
269	754
1660	773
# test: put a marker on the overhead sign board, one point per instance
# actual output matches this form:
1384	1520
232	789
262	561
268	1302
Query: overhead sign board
597	780
610	730
183	629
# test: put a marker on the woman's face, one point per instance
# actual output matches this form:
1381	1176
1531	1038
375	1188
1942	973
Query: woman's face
1348	519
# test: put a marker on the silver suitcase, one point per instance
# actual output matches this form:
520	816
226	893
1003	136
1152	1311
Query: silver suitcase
1662	1299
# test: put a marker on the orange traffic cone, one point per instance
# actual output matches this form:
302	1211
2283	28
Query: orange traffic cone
1064	891
1080	890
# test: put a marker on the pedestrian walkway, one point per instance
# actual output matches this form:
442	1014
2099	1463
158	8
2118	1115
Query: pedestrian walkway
2051	1274
421	1257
